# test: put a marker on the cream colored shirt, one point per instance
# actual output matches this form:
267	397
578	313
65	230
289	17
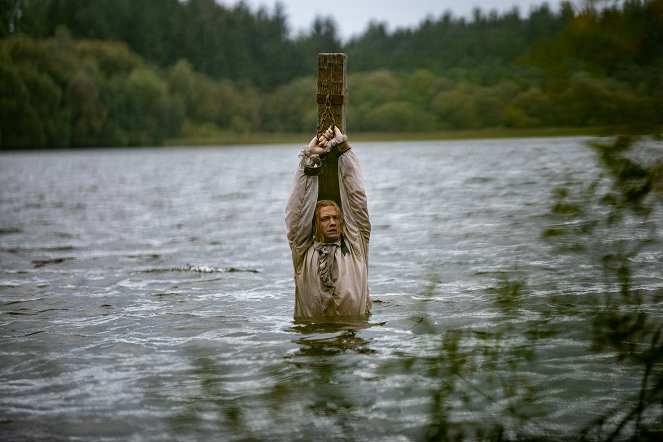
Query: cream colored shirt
349	295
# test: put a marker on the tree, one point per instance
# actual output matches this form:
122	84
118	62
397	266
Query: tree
398	116
292	108
88	113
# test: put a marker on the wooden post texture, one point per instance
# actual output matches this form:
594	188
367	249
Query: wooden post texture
332	99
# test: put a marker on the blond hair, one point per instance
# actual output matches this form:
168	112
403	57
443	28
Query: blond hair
317	234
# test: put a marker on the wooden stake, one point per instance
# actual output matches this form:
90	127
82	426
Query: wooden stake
332	101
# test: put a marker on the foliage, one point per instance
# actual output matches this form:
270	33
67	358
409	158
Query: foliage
71	76
616	230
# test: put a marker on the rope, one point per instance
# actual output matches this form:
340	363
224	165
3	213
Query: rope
327	112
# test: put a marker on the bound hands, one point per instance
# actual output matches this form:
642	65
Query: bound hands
316	151
323	143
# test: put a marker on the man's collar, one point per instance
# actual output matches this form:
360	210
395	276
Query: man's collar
339	243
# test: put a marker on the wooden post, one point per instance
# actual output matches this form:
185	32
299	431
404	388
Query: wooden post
332	99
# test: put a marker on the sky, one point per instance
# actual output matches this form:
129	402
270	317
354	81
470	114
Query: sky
353	16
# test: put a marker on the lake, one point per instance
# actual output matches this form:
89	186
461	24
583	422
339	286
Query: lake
147	295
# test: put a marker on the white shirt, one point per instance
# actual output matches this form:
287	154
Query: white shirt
349	295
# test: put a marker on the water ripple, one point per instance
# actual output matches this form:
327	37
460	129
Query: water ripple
478	319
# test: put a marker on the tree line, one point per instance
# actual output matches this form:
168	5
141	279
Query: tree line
117	73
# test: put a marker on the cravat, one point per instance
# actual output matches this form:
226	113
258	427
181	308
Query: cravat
326	253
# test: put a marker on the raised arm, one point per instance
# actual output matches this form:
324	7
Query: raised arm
353	196
300	209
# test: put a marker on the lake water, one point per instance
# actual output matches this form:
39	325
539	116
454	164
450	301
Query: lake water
147	295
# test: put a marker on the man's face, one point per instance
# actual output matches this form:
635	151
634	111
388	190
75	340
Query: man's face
330	224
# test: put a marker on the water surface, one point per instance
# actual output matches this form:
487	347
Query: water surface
147	295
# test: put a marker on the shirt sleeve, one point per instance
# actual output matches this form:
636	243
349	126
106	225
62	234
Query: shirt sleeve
353	200
299	213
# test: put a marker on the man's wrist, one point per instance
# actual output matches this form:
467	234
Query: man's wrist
340	143
344	147
312	163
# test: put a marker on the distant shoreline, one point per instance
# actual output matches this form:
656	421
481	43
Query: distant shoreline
235	139
294	138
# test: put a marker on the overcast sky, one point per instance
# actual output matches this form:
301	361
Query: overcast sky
353	16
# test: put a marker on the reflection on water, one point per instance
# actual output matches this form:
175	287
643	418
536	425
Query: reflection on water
332	336
517	296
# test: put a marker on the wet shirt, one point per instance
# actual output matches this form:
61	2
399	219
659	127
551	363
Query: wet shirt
330	279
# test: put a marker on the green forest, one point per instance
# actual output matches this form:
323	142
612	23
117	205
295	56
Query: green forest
84	73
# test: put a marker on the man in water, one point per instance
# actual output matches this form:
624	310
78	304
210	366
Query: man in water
329	245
